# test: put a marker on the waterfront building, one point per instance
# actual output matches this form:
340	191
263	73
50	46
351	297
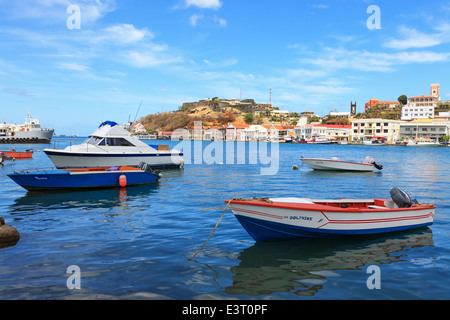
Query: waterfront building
213	133
420	107
255	132
425	128
330	131
234	131
366	129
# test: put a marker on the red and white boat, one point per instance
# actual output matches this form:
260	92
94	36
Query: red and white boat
289	218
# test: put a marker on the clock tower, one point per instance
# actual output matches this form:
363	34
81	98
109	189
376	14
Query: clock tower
435	91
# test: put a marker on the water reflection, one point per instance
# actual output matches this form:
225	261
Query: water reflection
35	202
302	267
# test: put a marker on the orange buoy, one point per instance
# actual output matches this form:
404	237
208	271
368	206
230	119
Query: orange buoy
123	180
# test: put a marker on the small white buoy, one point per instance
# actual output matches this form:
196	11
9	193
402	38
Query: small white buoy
294	167
221	163
182	163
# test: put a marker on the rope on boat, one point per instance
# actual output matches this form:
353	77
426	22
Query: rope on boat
223	213
229	202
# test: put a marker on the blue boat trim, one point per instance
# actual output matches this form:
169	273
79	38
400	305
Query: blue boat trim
262	230
111	155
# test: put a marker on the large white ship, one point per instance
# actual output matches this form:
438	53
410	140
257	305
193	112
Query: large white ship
29	132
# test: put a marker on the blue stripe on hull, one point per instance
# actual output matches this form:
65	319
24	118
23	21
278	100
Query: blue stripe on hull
262	230
111	155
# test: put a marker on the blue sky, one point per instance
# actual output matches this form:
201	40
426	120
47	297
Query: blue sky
315	55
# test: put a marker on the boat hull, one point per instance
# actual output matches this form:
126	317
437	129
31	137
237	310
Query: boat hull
64	159
335	165
18	155
275	223
63	179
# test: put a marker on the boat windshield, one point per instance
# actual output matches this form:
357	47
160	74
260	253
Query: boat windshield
94	140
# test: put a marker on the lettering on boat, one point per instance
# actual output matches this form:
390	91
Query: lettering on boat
298	218
40	178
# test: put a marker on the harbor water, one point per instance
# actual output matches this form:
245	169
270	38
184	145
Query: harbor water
136	242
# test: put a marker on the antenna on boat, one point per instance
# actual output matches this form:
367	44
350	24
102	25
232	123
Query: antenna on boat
138	111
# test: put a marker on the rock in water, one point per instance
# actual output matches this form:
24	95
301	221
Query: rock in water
9	236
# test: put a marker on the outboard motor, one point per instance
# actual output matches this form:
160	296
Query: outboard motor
402	199
371	160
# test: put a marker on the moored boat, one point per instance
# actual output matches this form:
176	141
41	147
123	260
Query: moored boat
375	141
334	164
29	132
421	142
113	145
28	154
290	218
80	178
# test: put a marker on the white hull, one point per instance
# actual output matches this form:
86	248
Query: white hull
63	159
335	165
422	144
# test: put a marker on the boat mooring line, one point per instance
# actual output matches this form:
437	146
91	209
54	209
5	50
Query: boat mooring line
229	202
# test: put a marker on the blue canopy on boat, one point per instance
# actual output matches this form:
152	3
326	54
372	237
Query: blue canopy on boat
111	123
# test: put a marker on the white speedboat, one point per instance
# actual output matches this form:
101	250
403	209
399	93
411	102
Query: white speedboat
334	164
375	141
421	142
274	219
319	140
113	145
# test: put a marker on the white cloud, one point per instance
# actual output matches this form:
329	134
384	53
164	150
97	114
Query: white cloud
222	22
149	58
333	59
194	19
204	4
125	34
72	66
412	38
54	11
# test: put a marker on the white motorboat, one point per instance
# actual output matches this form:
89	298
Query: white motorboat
334	164
113	145
375	141
274	219
319	140
421	142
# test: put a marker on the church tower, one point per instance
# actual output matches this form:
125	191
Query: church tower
435	91
353	109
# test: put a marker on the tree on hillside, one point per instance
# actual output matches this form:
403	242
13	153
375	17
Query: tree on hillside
403	99
229	117
248	118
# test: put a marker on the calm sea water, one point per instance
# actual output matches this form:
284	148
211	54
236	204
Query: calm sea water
135	243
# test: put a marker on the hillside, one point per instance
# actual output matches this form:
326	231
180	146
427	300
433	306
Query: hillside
170	121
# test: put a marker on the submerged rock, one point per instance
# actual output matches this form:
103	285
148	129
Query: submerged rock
9	236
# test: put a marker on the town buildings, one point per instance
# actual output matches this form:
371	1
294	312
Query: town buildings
419	107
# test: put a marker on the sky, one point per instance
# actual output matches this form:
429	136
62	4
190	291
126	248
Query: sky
73	64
